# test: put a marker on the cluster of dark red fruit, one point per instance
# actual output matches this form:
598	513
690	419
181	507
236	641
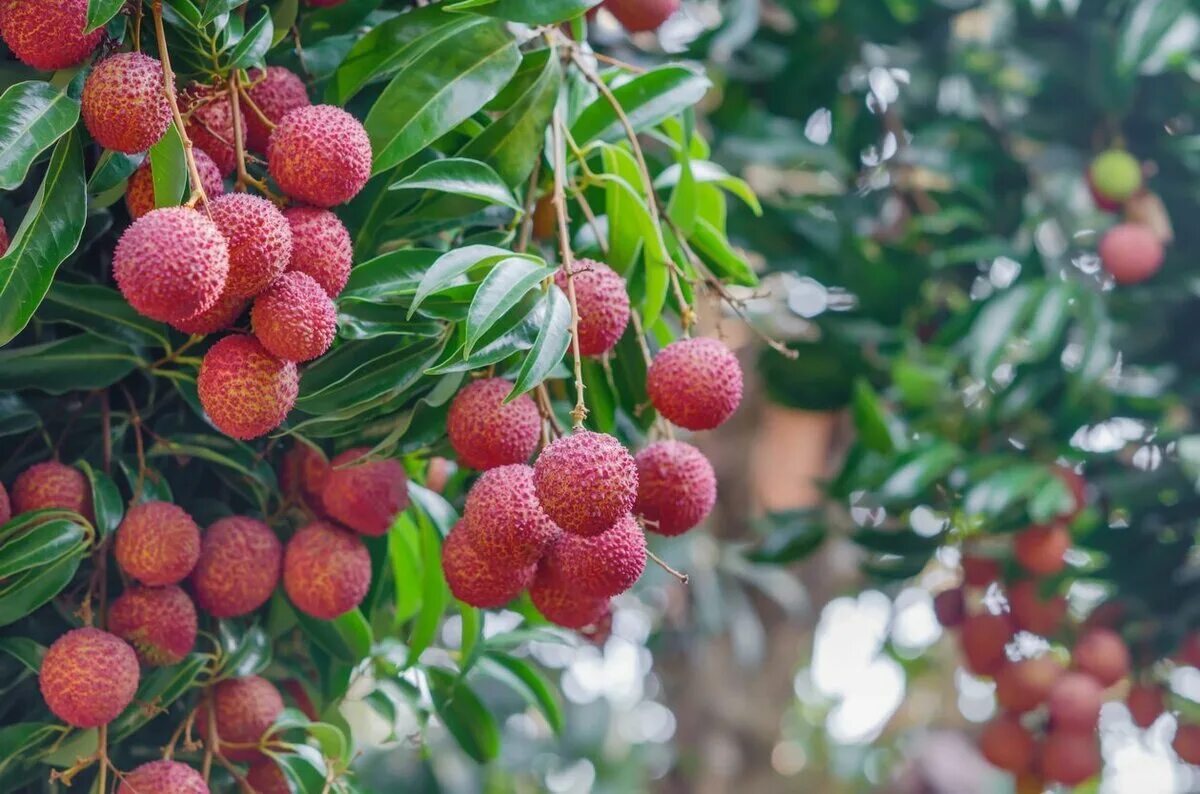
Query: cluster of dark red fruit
1132	251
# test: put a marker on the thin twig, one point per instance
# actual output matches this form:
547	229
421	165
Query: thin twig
529	209
682	577
579	412
160	35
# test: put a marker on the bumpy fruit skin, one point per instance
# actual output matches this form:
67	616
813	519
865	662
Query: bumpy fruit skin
1102	654
259	240
1033	613
1075	700
603	305
218	317
88	677
240	563
677	487
1115	175
1131	253
5	505
157	544
603	565
294	318
276	93
246	391
48	34
171	264
52	484
1040	549
245	709
366	496
210	124
1007	745
159	622
503	519
326	570
266	777
586	482
139	195
984	638
1024	685
485	432
979	571
321	247
950	607
1070	758
478	580
562	604
163	777
1187	743
695	383
320	155
1146	703
303	475
641	16
123	103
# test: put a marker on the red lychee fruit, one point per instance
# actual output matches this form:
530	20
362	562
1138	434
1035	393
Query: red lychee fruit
159	622
695	383
210	124
1007	744
586	481
1131	253
326	570
1189	650
139	195
321	247
365	496
1075	700
48	34
562	604
1031	612
1040	549
1187	743
5	506
246	391
503	519
163	777
1146	703
259	240
303	475
641	16
275	93
1070	758
320	154
245	708
88	677
603	305
1024	685
478	580
677	487
123	103
294	318
950	607
52	485
240	563
1114	176
266	777
218	317
171	264
437	474
158	543
980	571
983	638
1102	654
603	565
486	432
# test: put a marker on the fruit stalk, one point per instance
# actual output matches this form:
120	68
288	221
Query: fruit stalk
160	35
579	412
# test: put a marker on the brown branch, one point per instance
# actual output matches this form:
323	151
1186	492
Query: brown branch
579	412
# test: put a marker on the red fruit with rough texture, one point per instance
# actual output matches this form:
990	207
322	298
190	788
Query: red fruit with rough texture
163	777
218	317
52	485
1007	744
139	195
320	155
365	496
603	565
1040	550
210	124
88	677
303	475
677	487
48	34
1131	253
486	432
1146	703
266	777
1187	743
1033	613
123	103
950	607
503	519
603	305
158	543
695	383
1024	685
1070	758
294	318
1102	654
245	708
586	481
641	16
246	391
478	580
171	264
159	622
562	604
983	638
259	240
240	563
980	571
321	247
275	93
326	570
1075	700
5	505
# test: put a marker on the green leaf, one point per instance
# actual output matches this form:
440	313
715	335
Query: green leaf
790	536
28	591
229	453
903	542
919	470
25	651
1143	31
646	100
215	8
553	339
283	17
526	680
895	568
460	177
252	48
503	287
77	362
472	633
530	12
111	170
871	419
450	266
708	172
389	276
434	593
160	687
997	325
100	11
627	216
682	208
465	716
304	768
21	740
107	503
168	169
33	115
104	312
725	262
346	638
42	546
404	553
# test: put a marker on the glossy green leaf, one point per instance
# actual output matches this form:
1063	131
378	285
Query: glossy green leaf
283	17
33	115
390	276
706	172
161	687
531	12
404	554
790	536
724	260
253	46
461	177
646	99
100	11
111	170
553	340
627	217
107	503
465	715
919	470
503	287
168	169
346	637
434	593
25	651
104	312
529	682
82	361
871	419
42	546
33	588
449	267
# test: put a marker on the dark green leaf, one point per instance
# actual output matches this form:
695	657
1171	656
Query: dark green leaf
531	12
646	99
107	503
159	688
465	716
503	287
111	170
100	11
391	275
525	679
26	592
346	637
553	339
25	651
871	419
77	362
168	169
42	546
449	267
33	115
104	312
434	593
253	46
460	177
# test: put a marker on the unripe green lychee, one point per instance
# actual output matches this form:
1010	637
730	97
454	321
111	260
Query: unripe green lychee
365	496
52	484
1102	654
478	580
302	476
265	777
1075	700
562	604
1186	743
246	391
1033	613
1131	253
210	124
641	16
48	34
1070	758
603	305
158	543
163	777
139	194
159	622
218	317
603	565
1007	745
1146	703
294	318
677	487
320	155
1116	175
695	383
276	93
1025	684
585	482
123	103
245	708
984	638
486	432
1040	549
503	519
326	570
321	247
5	506
240	563
259	240
88	677
171	264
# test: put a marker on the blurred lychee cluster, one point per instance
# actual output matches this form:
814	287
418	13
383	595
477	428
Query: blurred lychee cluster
1131	251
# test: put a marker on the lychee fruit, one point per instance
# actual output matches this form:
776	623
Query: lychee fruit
265	777
478	580
1070	758
1189	649
1040	549
159	622
586	481
950	607
984	638
171	264
139	194
641	16
1033	613
486	432
275	93
5	506
365	496
124	106
48	34
677	487
1146	703
321	247
1102	654
52	485
259	240
1025	684
603	305
504	521
603	565
320	154
1007	744
163	777
1131	253
1115	175
245	708
980	571
437	474
246	391
158	543
695	383
241	560
562	604
88	677
210	124
294	318
326	570
303	475
1075	700
218	317
1186	743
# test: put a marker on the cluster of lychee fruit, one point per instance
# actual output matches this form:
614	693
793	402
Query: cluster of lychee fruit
1131	251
